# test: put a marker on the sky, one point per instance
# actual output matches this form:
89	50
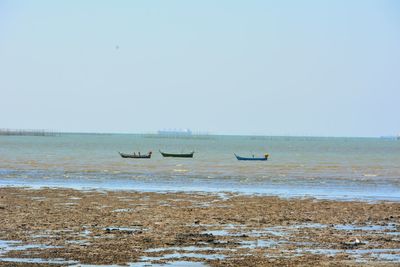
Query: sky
313	68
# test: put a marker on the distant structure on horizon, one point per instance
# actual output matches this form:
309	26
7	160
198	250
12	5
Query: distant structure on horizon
175	132
27	132
394	137
178	133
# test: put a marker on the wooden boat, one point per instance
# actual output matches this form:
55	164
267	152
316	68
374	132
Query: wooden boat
136	156
187	155
252	158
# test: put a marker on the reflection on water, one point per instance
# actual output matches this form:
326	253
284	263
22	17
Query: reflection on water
329	167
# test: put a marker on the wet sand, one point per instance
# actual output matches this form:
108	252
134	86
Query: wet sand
71	227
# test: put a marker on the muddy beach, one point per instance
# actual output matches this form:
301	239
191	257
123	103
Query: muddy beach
66	227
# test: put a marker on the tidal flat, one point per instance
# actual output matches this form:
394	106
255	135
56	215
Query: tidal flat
67	227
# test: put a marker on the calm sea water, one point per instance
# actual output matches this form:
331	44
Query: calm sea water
343	168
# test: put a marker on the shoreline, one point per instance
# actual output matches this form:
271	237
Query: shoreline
133	186
63	226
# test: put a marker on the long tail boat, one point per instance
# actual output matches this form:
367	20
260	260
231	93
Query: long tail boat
136	156
252	158
185	155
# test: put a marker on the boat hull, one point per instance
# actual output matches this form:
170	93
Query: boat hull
171	155
130	156
251	159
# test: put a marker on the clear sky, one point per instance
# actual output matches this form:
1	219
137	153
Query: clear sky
329	68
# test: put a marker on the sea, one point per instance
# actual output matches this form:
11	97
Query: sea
319	167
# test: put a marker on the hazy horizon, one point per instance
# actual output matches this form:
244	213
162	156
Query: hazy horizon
196	133
288	68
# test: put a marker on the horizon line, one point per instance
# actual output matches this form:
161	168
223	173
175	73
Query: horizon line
199	133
